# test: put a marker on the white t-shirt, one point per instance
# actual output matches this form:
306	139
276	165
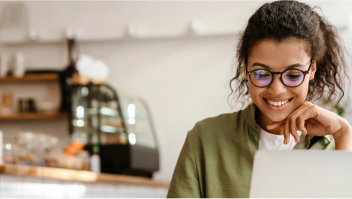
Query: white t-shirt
268	141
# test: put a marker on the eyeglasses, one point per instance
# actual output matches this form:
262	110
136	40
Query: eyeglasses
291	77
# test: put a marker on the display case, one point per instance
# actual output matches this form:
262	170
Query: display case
119	124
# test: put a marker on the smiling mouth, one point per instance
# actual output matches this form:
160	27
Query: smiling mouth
278	103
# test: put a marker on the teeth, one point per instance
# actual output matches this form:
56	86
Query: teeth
277	103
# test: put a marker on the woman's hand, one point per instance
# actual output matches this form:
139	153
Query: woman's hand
317	121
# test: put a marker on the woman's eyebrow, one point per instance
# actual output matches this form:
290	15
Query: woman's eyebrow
267	67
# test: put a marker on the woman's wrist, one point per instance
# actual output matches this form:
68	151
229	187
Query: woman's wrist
343	138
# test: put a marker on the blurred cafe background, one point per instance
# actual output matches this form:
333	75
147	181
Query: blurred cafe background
96	98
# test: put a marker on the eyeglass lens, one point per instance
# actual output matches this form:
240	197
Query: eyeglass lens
290	78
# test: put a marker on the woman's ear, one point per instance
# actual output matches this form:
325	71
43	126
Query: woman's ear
244	71
312	71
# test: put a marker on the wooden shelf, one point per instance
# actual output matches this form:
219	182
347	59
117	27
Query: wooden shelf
33	116
31	77
85	176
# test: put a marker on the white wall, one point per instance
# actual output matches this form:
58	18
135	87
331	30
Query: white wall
183	80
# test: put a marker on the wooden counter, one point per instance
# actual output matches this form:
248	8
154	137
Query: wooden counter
84	176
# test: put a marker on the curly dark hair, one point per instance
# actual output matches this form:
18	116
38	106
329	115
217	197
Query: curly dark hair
282	20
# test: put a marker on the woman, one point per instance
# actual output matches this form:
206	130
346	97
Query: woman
287	55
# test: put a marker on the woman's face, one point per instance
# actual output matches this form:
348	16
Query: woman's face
278	56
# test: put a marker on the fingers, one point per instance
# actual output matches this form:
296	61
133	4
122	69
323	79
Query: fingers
286	132
309	113
303	116
285	125
274	125
301	125
293	128
296	121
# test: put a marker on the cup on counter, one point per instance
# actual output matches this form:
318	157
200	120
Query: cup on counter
4	65
19	66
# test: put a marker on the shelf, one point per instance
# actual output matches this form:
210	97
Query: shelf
24	36
85	176
33	116
195	28
31	77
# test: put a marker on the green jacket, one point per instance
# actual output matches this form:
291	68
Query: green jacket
217	157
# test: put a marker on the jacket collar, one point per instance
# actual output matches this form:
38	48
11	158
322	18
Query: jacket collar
249	112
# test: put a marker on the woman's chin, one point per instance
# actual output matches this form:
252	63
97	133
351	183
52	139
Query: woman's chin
278	118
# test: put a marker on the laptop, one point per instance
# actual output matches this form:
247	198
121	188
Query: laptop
301	173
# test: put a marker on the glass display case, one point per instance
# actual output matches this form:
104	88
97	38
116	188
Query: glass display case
96	116
120	124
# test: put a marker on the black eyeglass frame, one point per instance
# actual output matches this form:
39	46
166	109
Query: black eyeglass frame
278	73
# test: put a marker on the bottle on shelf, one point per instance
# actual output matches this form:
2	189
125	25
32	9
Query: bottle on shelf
95	160
66	76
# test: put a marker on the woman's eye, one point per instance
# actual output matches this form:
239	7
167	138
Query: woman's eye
293	76
263	75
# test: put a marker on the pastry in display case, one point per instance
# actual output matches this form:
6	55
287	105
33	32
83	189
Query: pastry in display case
120	124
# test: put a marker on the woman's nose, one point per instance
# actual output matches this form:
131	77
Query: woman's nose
277	87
